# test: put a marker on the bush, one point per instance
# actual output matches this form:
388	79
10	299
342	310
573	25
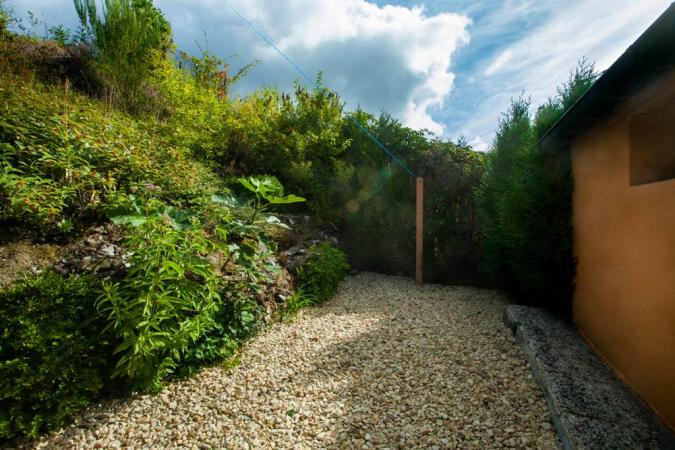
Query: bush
165	303
525	203
53	358
297	139
297	302
377	213
124	37
173	306
315	150
320	276
193	112
5	19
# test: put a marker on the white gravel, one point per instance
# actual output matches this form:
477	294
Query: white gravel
385	364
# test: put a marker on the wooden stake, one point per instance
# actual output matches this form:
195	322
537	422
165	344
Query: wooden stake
419	258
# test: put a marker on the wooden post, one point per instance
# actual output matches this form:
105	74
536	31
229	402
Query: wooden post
419	258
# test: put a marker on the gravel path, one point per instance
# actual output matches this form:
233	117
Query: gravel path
384	364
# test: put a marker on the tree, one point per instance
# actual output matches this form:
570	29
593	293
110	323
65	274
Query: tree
525	202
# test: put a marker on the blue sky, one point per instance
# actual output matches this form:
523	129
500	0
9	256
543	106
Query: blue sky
446	65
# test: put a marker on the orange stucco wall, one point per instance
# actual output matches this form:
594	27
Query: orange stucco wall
624	236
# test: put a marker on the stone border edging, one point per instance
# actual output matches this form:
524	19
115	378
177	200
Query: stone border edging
590	407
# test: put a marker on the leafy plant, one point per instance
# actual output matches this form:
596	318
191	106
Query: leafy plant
297	302
67	158
211	72
320	276
60	34
139	213
165	303
53	358
237	320
5	18
268	191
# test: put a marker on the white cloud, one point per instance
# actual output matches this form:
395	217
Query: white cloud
388	58
499	63
542	60
479	144
598	30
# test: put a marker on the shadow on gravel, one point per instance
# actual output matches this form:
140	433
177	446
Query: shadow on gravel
436	369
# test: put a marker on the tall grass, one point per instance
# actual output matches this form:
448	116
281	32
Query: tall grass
123	34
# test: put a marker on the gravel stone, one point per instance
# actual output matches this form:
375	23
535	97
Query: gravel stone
384	364
590	406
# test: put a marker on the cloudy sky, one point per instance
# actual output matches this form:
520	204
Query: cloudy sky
449	66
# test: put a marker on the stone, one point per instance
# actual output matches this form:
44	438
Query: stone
590	406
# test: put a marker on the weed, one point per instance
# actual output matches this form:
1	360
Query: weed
320	276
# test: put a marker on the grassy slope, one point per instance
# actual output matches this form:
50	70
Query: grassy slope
66	156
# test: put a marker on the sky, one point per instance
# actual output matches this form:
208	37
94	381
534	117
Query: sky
448	66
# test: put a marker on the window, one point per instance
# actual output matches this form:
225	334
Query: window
652	147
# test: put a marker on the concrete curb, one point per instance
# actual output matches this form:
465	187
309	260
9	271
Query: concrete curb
590	407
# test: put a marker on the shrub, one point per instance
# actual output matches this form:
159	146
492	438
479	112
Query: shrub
297	302
172	308
525	203
124	37
166	302
235	321
320	276
5	19
53	358
376	207
193	112
297	139
308	143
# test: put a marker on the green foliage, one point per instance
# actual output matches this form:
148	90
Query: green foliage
269	190
210	72
60	34
297	139
53	358
192	111
165	303
513	140
153	210
63	157
525	203
376	207
191	99
124	36
5	19
297	302
320	276
580	80
172	311
308	144
236	320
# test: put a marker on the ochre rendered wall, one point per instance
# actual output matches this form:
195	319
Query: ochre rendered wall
624	236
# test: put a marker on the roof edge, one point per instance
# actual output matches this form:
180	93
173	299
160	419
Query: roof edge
649	56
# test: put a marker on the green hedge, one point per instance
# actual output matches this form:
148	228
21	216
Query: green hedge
525	203
53	358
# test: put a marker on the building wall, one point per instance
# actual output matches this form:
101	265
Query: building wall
624	302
